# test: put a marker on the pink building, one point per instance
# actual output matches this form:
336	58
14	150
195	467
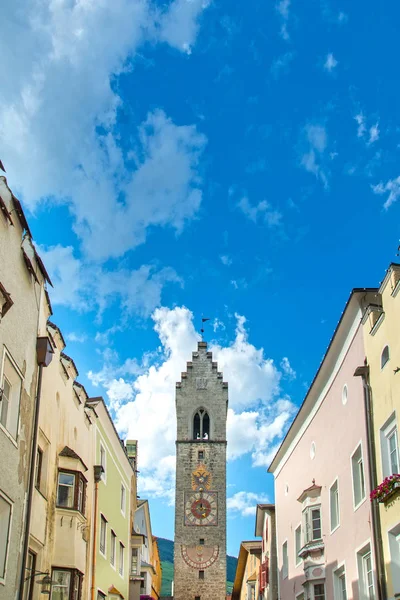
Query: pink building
325	542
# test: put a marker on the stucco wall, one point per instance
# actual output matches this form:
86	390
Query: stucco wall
336	430
18	333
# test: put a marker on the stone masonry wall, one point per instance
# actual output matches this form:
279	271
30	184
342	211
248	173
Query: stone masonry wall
201	387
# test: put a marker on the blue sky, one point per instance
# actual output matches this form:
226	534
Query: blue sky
192	157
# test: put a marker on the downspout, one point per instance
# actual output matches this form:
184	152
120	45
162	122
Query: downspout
372	472
98	470
44	353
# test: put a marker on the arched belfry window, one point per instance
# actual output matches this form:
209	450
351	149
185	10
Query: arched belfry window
201	425
384	356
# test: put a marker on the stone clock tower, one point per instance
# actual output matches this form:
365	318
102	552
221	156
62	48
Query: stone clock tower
200	504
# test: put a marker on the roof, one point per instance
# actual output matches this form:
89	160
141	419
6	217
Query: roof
261	508
309	491
56	328
356	299
245	548
113	590
69	453
253	577
70	360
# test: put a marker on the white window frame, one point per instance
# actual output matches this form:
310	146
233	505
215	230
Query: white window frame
336	482
387	430
7	547
313	584
103	452
339	575
285	560
297	559
381	356
359	446
5	428
394	549
308	523
362	554
113	548
123	499
102	518
121	554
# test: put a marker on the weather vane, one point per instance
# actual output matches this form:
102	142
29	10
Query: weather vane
203	320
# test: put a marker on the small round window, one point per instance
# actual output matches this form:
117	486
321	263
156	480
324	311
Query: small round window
344	395
312	451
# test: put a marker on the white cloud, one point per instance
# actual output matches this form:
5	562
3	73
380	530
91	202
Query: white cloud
312	160
257	415
360	119
282	8
330	62
245	503
61	143
226	260
373	133
78	338
287	368
261	211
392	188
86	286
281	63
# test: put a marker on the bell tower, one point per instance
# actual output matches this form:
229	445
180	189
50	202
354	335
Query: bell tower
200	495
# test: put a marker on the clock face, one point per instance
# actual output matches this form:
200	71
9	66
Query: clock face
199	557
201	508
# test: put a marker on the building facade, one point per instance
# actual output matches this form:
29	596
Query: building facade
200	505
113	507
247	583
22	291
323	513
381	325
265	528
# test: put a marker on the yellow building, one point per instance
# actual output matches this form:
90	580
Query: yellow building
157	576
246	584
381	323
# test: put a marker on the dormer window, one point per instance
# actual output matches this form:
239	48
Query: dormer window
385	356
201	425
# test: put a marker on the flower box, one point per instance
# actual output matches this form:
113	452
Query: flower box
388	488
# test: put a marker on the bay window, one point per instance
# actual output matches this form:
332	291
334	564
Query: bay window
66	584
71	490
312	524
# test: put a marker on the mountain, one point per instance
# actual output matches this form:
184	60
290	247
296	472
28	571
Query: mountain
166	549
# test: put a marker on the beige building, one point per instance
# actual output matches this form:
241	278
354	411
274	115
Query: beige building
247	585
381	322
59	541
22	292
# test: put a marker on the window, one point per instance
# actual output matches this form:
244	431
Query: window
284	560
297	536
201	455
38	471
390	447
339	584
394	546
358	476
5	522
30	569
123	499
100	595
197	598
112	547
312	525
66	583
319	591
201	541
334	506
121	559
365	574
103	534
103	461
11	385
71	490
345	395
201	425
134	561
201	574
384	356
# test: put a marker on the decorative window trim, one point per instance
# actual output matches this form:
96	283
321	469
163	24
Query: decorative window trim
298	559
361	555
338	574
332	530
74	573
79	479
364	497
285	554
386	431
6	554
8	356
104	551
104	453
